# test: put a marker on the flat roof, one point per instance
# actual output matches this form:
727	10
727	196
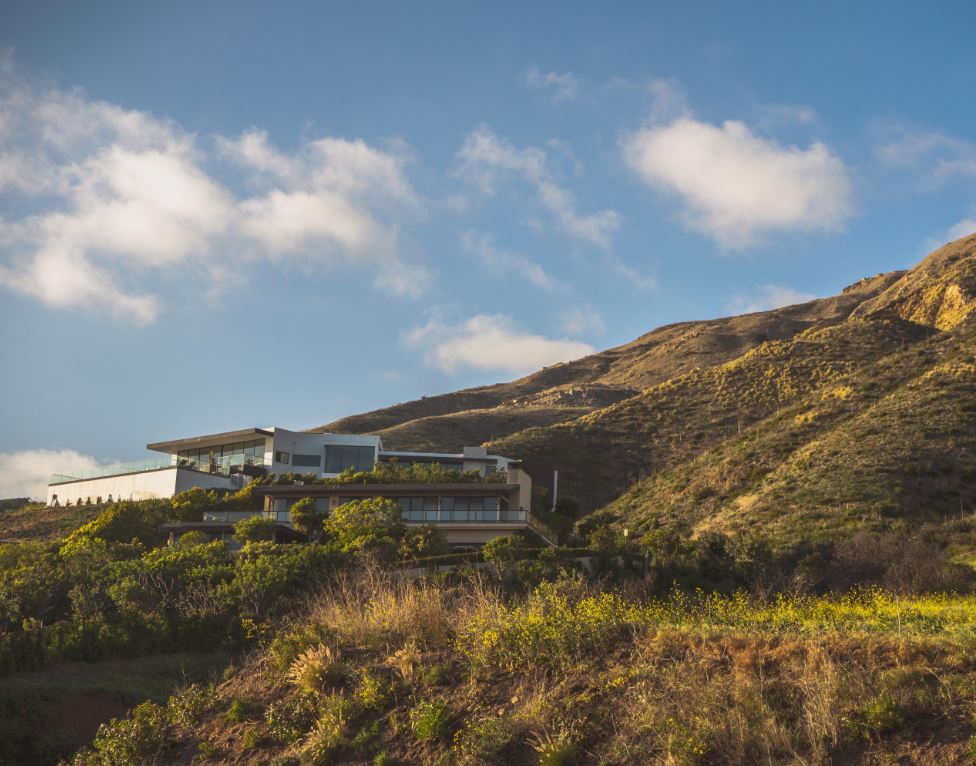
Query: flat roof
201	441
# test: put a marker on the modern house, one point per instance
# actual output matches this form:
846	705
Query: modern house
490	497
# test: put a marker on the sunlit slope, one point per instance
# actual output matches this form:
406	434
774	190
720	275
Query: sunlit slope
893	443
603	452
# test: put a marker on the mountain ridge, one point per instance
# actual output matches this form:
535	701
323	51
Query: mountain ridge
613	419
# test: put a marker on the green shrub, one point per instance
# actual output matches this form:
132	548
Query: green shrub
131	741
239	711
372	692
251	739
877	716
254	530
373	525
187	705
207	749
289	719
429	720
481	739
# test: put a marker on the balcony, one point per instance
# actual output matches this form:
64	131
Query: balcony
224	467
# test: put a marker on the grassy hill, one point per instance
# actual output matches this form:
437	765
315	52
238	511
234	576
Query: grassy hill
838	409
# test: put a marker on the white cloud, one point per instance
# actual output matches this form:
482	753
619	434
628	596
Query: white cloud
482	246
109	200
26	473
579	320
490	342
961	229
564	85
487	161
736	186
767	298
937	155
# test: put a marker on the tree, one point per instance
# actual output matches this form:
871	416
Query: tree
253	530
373	525
424	542
306	518
190	505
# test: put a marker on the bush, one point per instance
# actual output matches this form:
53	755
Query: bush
254	530
131	741
374	525
239	711
306	518
429	720
289	719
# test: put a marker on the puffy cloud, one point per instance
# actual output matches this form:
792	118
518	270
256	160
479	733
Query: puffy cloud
734	185
565	87
108	199
490	342
768	297
482	246
487	161
26	473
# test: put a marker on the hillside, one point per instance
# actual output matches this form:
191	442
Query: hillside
693	391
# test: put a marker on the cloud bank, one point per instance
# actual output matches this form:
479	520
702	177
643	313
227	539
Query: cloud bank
103	203
26	473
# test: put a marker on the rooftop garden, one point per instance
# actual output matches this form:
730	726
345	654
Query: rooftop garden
395	473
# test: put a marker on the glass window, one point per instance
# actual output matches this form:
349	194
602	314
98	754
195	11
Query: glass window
339	457
430	503
447	503
404	503
367	458
476	503
281	457
306	460
416	504
491	503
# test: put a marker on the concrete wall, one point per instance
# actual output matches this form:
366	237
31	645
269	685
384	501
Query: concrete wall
164	482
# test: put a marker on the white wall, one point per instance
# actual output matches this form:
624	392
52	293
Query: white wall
313	444
145	485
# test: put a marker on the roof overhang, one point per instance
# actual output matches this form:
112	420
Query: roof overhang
175	445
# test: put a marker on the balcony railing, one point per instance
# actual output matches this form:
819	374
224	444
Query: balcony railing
223	466
465	517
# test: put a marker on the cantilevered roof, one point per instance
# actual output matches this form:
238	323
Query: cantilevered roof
208	439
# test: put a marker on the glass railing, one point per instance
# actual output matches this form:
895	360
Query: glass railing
232	517
465	517
221	466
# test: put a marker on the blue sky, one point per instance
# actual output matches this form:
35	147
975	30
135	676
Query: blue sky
227	213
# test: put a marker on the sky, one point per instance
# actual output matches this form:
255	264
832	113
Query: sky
215	215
